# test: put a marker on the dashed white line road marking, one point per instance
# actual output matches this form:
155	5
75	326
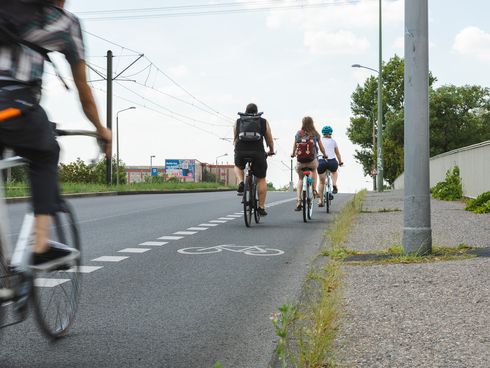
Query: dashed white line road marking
170	237
40	282
185	232
226	218
219	221
239	213
84	269
197	228
153	243
134	250
109	259
208	225
236	216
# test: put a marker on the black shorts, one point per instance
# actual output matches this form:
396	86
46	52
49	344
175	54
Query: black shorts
259	162
331	165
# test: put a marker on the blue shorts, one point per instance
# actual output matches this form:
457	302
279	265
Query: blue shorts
331	165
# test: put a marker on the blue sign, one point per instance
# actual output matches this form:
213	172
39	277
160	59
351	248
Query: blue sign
154	171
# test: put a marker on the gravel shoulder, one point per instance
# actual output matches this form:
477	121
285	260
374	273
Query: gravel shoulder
416	315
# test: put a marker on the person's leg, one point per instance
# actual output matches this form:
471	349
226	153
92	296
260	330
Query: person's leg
239	174
322	187
262	189
334	178
239	168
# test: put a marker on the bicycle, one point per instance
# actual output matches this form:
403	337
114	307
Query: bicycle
307	195
53	289
250	194
327	192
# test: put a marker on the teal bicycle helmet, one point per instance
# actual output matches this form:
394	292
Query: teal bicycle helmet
327	129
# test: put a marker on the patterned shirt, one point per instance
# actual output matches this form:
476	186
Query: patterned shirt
60	32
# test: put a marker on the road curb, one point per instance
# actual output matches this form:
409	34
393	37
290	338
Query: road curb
113	194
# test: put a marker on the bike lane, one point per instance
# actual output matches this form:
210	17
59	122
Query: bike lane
163	308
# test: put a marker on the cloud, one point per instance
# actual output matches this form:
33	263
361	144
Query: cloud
474	42
179	71
337	43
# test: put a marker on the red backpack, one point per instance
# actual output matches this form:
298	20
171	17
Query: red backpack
305	147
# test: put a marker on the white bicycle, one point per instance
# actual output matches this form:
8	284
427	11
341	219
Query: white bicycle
255	250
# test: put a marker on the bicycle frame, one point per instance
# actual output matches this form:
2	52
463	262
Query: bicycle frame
20	257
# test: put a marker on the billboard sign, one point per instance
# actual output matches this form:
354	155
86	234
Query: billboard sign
181	169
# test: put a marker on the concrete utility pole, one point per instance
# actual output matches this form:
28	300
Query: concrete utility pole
417	232
380	173
109	113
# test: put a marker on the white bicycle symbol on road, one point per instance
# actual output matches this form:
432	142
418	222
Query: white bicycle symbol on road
255	250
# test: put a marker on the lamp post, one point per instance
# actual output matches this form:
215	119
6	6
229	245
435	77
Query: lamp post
151	163
379	160
218	172
117	142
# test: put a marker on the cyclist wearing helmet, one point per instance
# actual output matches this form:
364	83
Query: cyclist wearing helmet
331	164
28	132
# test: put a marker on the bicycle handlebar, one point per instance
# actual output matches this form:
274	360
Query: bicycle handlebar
87	133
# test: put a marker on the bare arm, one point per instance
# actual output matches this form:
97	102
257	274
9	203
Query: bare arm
337	152
88	103
294	149
234	135
268	138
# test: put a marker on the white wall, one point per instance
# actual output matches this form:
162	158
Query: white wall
473	162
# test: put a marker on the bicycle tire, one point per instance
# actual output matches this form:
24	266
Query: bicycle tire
309	202
256	202
327	195
4	283
303	199
247	202
65	294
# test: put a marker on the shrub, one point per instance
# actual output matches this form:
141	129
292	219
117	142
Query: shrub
480	204
451	188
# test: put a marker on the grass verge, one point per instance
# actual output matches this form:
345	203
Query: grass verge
394	255
306	330
22	190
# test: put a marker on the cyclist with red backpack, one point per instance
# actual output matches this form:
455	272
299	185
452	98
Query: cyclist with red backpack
307	142
29	30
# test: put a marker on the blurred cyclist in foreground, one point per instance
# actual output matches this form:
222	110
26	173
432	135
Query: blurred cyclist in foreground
30	29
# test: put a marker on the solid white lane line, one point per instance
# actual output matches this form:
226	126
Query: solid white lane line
109	259
197	228
185	232
226	218
219	221
209	225
279	202
171	237
134	250
153	243
84	269
41	282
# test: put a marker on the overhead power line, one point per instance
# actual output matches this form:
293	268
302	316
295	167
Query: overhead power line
128	14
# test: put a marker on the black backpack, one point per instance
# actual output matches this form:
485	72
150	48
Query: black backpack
15	15
249	127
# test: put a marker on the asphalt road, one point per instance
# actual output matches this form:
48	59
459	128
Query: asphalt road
162	308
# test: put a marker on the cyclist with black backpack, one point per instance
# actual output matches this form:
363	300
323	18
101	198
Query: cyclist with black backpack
29	30
249	133
307	142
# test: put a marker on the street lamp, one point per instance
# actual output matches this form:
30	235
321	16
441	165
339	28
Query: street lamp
218	172
379	161
151	163
117	142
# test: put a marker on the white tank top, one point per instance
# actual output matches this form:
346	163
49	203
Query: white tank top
329	144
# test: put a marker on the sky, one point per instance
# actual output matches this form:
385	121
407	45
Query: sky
200	71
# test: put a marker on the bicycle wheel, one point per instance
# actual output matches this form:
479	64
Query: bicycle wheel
327	195
304	205
256	203
309	201
247	202
56	293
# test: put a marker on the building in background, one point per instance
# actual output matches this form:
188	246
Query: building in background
224	173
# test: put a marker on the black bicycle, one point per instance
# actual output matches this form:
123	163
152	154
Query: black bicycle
250	195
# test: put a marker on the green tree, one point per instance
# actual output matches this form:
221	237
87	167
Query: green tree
100	171
76	172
